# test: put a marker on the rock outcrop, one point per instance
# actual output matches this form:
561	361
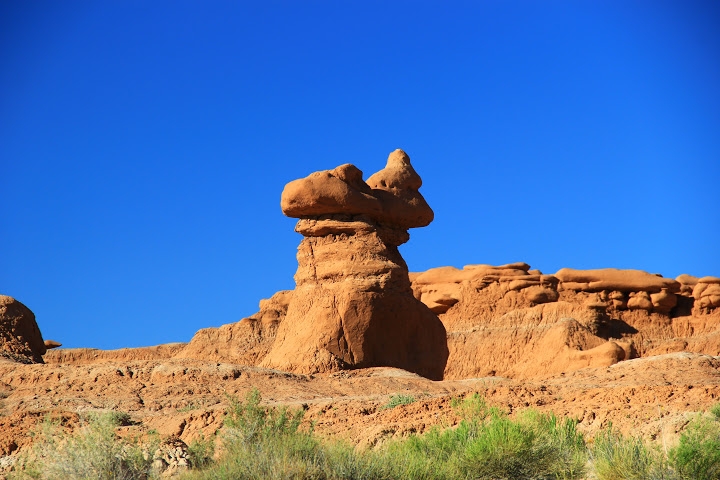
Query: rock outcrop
353	306
246	342
547	324
707	294
20	338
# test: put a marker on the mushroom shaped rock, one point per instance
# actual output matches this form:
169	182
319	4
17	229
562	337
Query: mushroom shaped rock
353	305
20	338
390	197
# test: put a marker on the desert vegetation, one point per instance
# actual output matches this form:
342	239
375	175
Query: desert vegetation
264	442
93	451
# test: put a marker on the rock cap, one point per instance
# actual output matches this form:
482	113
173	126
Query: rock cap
389	197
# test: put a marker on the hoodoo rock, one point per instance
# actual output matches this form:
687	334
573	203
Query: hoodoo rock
353	306
20	338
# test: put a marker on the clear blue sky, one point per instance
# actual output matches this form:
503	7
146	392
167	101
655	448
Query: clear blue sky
144	145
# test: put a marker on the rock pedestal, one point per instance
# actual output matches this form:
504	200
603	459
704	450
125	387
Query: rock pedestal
353	306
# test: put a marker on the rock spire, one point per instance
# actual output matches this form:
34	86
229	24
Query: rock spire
353	305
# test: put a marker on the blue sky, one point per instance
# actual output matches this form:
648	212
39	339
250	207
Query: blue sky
144	145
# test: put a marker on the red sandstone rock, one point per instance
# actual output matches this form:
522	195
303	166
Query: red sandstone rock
245	342
353	306
391	195
615	279
707	293
20	337
50	344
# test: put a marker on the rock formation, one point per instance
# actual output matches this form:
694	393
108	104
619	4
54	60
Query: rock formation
547	324
50	344
707	294
353	306
246	342
20	338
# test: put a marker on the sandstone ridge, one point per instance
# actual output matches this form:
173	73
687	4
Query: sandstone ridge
572	319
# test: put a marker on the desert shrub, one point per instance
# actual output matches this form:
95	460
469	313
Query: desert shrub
473	407
93	452
248	422
487	444
264	442
697	456
341	461
535	446
617	457
397	400
200	452
118	418
715	411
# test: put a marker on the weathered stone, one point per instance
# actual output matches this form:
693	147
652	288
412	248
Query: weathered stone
353	305
389	197
615	279
20	337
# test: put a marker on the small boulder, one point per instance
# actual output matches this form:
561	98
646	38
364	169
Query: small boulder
49	344
640	301
663	301
707	294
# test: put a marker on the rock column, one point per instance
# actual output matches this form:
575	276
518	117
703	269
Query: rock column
353	306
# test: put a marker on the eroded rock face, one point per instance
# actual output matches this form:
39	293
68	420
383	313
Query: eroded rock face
546	324
353	306
20	338
245	342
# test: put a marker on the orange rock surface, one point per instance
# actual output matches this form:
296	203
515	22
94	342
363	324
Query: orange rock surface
353	306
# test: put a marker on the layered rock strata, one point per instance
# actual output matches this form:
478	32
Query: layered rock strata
546	324
353	306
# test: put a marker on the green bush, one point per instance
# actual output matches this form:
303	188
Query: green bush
264	442
248	422
93	452
535	446
397	400
616	457
487	444
697	456
473	407
715	411
200	452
